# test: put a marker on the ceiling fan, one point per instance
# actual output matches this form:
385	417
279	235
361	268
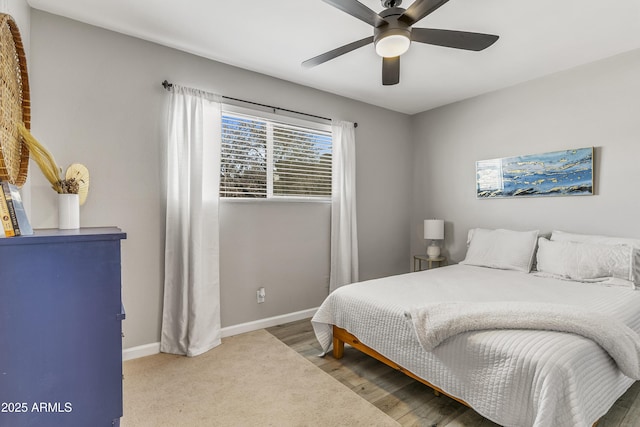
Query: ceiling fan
393	33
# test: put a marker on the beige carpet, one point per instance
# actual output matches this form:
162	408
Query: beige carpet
251	379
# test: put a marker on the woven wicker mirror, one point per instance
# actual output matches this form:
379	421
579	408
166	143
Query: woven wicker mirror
15	104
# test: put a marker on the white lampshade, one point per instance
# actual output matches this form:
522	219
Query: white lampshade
392	45
434	229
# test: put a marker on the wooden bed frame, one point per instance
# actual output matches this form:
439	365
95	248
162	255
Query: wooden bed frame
341	336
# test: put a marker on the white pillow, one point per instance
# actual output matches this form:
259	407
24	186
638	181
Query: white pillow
584	261
634	261
592	238
503	249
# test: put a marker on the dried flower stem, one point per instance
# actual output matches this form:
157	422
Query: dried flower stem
69	186
42	157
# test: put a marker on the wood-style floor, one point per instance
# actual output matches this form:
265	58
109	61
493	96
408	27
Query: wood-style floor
408	401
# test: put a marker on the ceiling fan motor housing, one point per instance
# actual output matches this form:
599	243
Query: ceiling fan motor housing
393	26
391	3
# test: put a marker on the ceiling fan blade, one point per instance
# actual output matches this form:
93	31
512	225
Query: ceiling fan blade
358	10
391	71
336	52
419	9
454	39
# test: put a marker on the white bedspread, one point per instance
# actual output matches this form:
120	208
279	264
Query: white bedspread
437	322
513	377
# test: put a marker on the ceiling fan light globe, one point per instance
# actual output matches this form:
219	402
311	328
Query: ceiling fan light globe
392	45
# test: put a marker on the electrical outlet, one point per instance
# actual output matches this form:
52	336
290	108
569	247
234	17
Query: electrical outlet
260	294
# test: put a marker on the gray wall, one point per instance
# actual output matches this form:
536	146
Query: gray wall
594	105
97	100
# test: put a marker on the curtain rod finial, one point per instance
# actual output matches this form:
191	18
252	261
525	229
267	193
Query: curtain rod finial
167	85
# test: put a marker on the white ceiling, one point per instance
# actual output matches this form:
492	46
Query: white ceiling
537	38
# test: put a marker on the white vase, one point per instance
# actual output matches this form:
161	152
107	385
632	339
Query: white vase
68	211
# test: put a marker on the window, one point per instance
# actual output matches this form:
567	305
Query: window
265	158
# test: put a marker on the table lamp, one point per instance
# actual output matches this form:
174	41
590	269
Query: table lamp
434	231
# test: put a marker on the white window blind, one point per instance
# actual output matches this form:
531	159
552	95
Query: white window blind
264	158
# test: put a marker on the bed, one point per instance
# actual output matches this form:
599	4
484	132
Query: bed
568	350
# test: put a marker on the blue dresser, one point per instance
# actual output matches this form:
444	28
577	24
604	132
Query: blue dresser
61	328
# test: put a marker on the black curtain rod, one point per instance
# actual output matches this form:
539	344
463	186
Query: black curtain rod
168	86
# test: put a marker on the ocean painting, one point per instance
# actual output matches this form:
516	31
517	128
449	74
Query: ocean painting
558	173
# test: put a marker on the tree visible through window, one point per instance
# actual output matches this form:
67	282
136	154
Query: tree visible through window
262	158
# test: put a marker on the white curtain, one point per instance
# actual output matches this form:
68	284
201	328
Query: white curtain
191	311
344	230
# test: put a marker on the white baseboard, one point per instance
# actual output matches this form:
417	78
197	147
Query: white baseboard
140	351
154	348
267	323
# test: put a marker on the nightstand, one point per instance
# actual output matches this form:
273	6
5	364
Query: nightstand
419	259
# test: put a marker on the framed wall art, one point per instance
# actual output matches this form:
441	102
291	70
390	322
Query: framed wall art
557	173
